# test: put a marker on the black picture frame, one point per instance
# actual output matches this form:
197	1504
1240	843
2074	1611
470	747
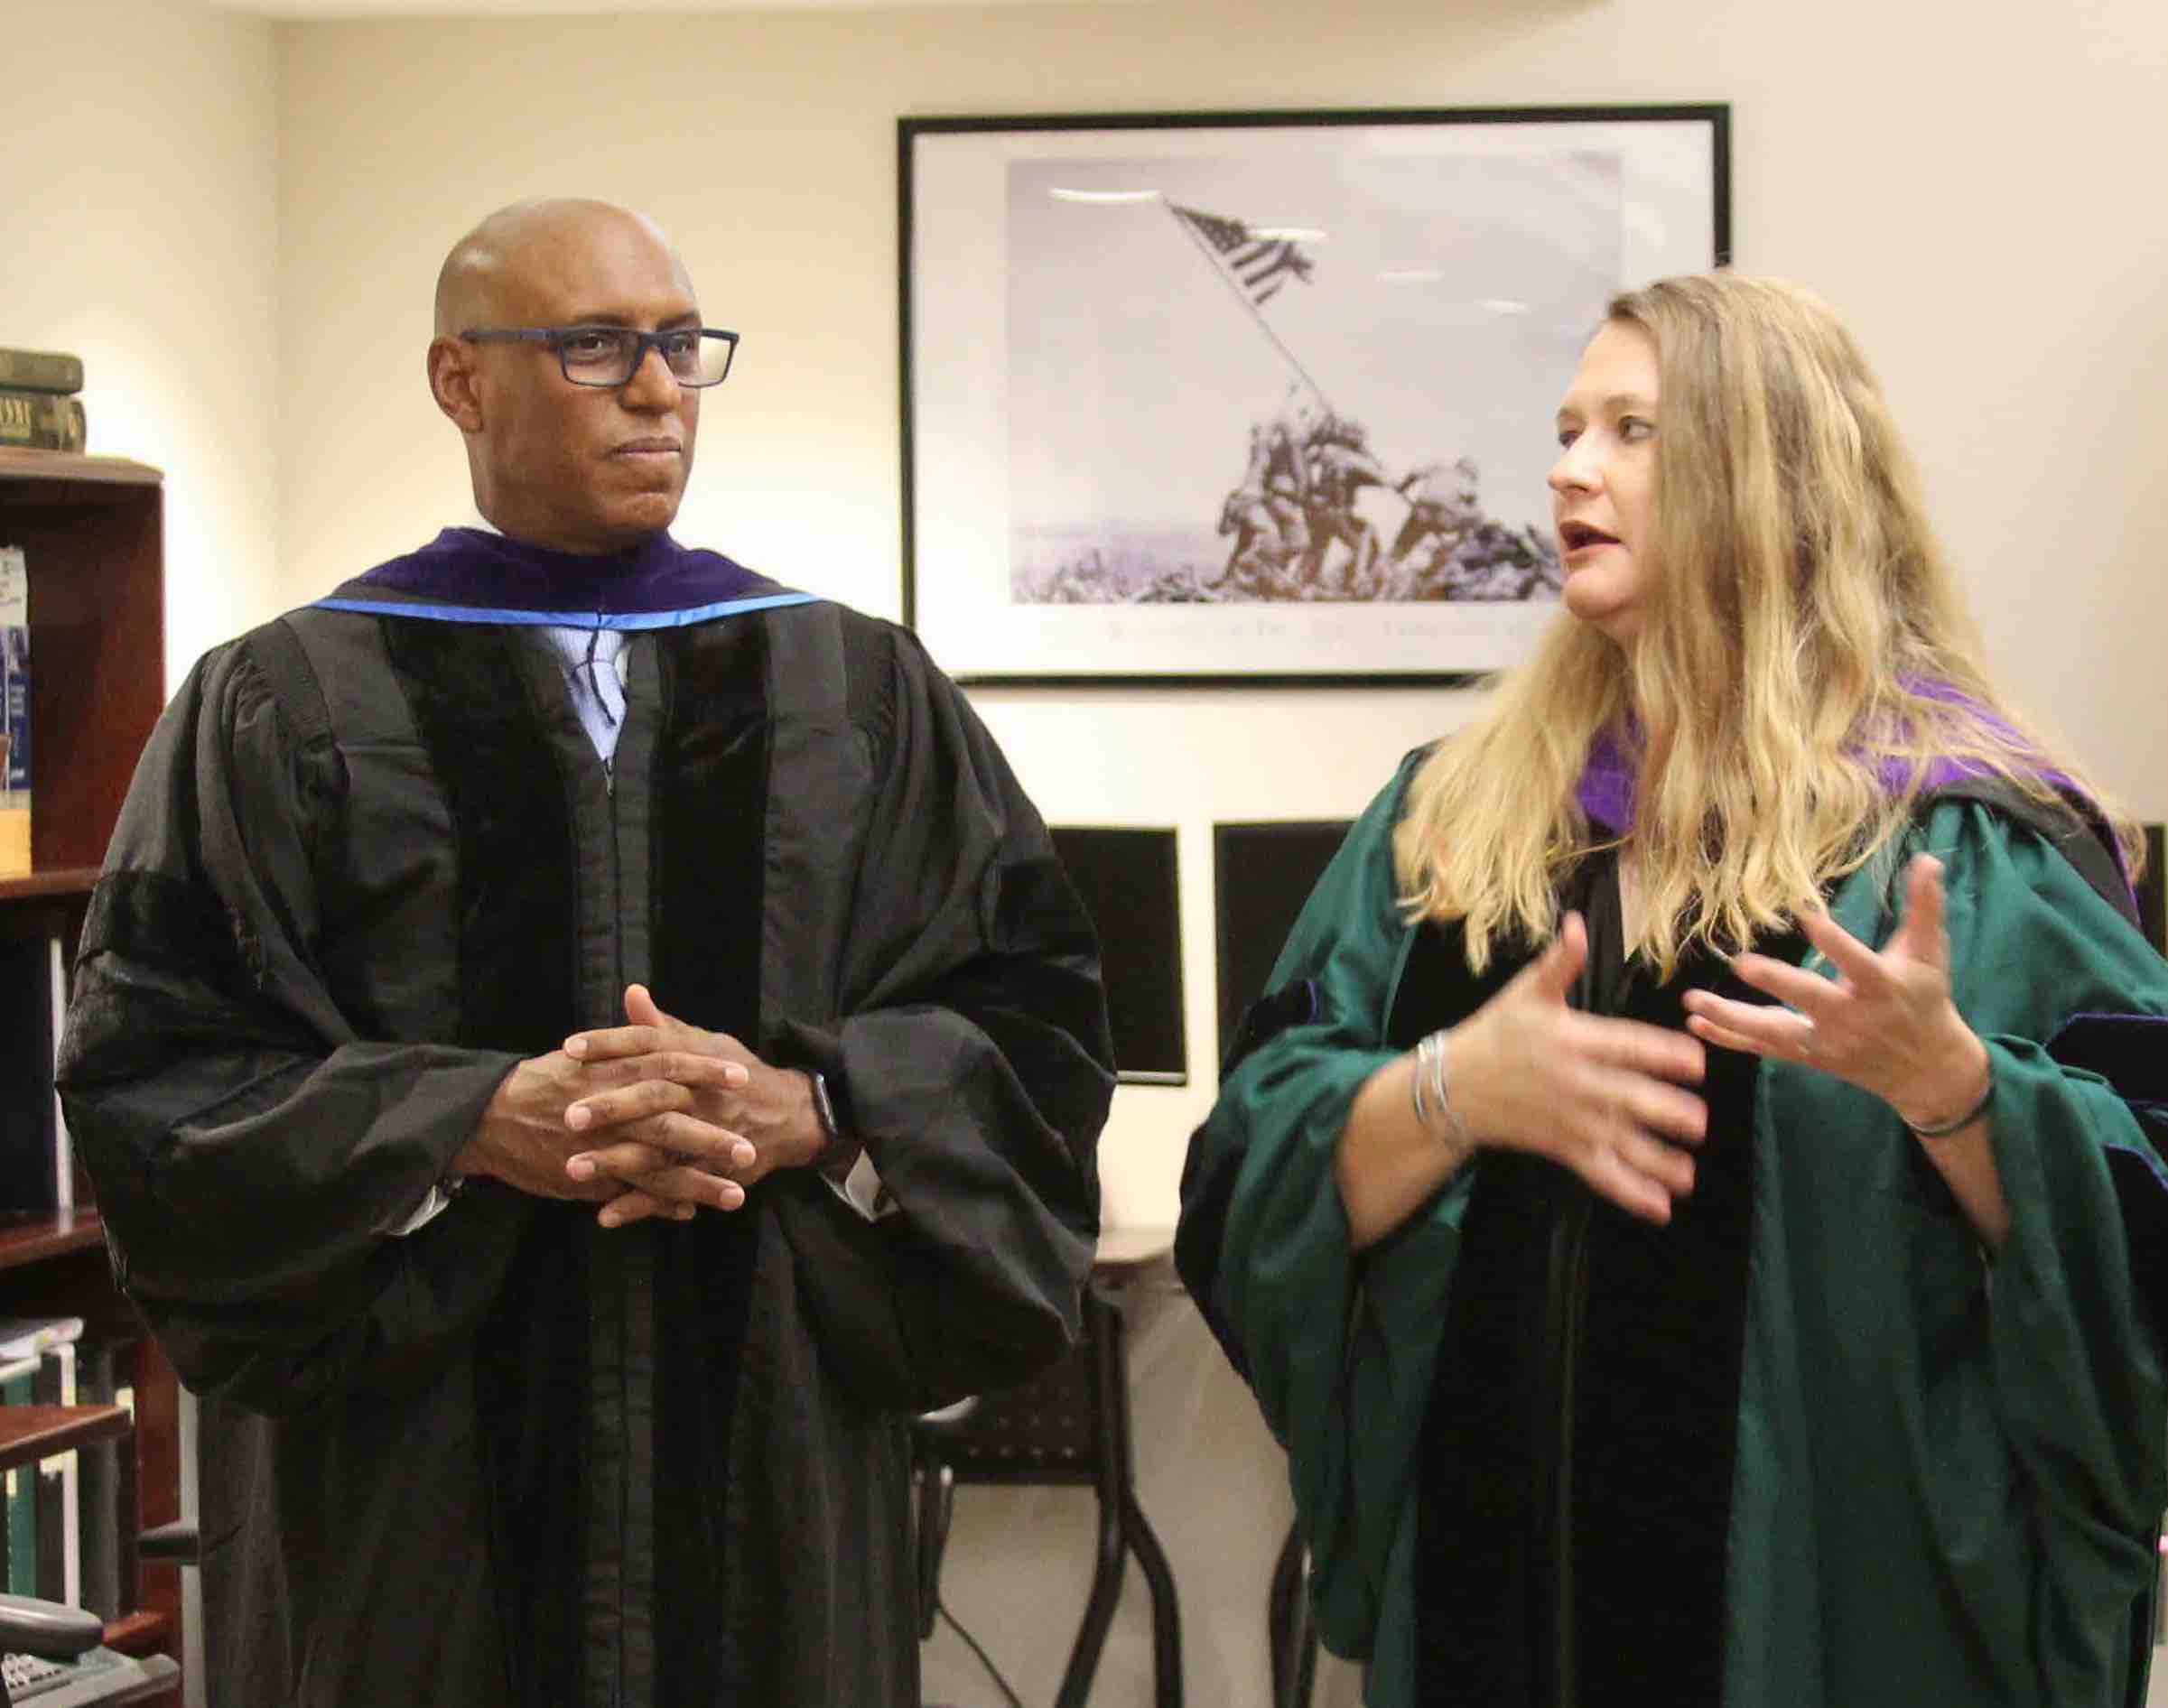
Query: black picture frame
1262	873
1080	361
1129	879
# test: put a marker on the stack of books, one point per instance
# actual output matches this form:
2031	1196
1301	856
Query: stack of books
67	1534
38	411
44	1537
39	408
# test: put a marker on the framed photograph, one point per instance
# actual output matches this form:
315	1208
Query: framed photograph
1262	397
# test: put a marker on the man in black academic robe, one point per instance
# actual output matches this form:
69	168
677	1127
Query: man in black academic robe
427	929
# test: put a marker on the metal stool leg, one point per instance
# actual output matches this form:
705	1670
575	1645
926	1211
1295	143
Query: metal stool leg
1288	1628
1166	1612
1137	1530
1099	1613
1123	1529
1102	1325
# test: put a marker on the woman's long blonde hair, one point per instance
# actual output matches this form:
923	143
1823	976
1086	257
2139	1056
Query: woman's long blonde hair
1804	657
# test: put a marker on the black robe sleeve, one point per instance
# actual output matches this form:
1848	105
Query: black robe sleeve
252	1157
971	1058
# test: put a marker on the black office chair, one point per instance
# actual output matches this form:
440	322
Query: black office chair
935	1481
47	1629
1071	1425
55	1660
173	1544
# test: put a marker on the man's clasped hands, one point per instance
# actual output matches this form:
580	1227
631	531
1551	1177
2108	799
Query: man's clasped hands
655	1118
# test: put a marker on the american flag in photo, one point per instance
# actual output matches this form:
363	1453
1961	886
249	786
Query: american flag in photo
1261	264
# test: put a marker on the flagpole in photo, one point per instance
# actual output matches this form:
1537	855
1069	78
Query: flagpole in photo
1254	265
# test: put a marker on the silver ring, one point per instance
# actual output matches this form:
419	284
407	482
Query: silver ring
1806	1042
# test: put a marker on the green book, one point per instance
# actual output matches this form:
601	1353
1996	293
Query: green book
22	1505
56	1487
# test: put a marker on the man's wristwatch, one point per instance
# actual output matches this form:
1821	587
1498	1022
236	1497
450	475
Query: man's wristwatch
837	1154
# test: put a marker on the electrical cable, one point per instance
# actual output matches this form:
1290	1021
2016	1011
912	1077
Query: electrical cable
985	1659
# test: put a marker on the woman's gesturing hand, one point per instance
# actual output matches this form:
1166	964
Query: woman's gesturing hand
1884	1023
1602	1096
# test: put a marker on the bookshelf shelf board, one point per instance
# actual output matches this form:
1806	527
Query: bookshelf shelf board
29	1433
32	1239
66	881
62	465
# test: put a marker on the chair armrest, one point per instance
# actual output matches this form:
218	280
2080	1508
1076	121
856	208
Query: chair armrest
175	1541
47	1629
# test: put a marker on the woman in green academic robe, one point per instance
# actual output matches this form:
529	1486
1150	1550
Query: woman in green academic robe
1688	1202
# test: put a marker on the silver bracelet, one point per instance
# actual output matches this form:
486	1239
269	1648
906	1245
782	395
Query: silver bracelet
1426	1090
1423	1052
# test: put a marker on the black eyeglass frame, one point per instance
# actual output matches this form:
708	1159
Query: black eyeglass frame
556	337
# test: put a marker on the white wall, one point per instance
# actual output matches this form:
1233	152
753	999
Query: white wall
1977	188
138	217
1978	197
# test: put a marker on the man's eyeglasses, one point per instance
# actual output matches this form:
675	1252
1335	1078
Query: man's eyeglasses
610	356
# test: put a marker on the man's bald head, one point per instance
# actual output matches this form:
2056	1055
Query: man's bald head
576	467
490	262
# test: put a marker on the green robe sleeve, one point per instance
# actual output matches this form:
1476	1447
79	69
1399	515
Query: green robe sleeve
1999	1422
2025	1397
1323	1336
2074	1346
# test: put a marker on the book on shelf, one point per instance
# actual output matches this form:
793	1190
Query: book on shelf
21	1500
14	712
42	421
68	1530
18	1517
37	1174
60	1574
41	370
44	1520
34	1336
105	1375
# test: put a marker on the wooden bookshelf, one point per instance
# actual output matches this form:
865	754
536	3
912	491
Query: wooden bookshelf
66	883
30	1433
28	1238
69	473
92	533
144	1633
